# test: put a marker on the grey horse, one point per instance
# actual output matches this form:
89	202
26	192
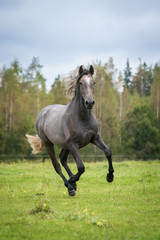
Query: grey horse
71	127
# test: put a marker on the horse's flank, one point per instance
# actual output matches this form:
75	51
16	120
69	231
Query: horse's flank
49	123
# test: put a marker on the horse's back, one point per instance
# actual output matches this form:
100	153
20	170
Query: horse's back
49	124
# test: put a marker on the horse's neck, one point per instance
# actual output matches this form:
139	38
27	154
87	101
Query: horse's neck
80	109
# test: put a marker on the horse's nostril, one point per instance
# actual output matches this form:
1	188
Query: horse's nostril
90	103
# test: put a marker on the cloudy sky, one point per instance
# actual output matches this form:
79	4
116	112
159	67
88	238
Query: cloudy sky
68	33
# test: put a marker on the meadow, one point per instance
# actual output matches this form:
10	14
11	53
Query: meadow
34	204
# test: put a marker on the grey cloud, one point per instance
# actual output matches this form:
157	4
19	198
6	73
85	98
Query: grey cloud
61	31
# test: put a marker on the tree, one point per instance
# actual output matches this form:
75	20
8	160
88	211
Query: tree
19	105
34	82
142	132
142	80
126	121
128	75
34	68
106	104
58	91
120	89
10	91
155	92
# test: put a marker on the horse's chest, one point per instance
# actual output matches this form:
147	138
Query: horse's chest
83	136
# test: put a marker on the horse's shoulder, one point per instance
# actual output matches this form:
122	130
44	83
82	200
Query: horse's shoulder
93	121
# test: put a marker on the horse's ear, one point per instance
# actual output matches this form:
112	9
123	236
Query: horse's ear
91	69
80	69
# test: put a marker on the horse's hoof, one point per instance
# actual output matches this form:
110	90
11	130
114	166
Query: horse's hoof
72	192
110	177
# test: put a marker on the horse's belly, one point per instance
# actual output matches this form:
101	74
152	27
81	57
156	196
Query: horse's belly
58	140
52	125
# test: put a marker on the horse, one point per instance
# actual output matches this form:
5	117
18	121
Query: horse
71	127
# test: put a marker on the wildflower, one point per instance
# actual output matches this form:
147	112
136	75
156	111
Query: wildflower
12	195
99	223
85	210
25	191
93	213
65	192
44	205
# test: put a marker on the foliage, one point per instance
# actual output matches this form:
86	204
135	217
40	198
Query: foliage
142	80
35	204
23	94
143	132
155	91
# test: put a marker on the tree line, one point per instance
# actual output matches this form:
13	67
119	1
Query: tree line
127	107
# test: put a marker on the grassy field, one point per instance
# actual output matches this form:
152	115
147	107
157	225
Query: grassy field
34	204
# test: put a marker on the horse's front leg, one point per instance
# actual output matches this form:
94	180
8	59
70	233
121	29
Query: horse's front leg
75	153
100	144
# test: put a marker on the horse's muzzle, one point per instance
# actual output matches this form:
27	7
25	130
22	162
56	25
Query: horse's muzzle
89	103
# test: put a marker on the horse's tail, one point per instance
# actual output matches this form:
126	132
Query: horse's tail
36	143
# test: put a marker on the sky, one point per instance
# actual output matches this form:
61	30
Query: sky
65	34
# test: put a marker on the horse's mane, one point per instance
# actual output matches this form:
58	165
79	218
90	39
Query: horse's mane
71	81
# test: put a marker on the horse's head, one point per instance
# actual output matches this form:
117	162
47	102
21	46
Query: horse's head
86	86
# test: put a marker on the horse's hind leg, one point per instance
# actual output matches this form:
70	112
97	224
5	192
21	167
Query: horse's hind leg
63	157
50	149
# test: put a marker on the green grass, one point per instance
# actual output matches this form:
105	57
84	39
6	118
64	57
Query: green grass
34	204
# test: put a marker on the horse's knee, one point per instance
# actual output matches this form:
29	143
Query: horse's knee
108	153
63	162
81	169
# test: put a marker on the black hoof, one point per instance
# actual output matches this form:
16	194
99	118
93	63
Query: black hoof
72	192
110	177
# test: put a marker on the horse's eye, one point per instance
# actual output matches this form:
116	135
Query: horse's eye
80	83
94	83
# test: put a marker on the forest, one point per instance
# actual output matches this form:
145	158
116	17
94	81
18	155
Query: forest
127	107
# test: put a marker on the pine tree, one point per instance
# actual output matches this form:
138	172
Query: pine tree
128	75
142	80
